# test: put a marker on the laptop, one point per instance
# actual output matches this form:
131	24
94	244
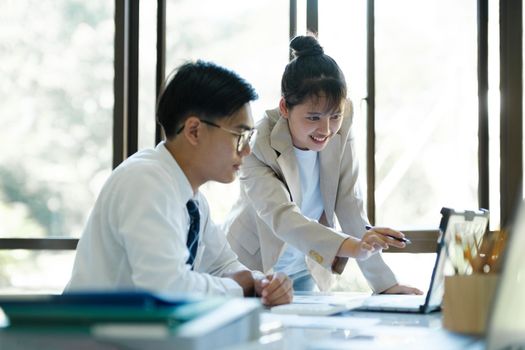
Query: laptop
452	222
506	322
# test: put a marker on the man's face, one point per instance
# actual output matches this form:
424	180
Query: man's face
311	125
222	160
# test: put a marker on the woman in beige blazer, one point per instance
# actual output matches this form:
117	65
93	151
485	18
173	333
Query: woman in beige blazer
302	173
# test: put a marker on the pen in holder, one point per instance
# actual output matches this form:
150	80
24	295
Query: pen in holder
469	292
467	301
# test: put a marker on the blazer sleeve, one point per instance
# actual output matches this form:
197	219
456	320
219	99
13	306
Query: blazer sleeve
351	214
270	198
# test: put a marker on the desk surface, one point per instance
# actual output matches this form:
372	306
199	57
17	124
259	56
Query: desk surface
350	329
357	330
360	330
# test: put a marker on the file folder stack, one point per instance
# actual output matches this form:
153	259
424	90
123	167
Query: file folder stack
134	320
89	308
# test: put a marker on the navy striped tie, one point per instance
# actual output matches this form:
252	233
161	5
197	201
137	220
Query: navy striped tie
193	234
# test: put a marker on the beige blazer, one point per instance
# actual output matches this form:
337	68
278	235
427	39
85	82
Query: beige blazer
267	214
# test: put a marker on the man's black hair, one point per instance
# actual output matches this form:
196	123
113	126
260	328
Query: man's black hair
203	89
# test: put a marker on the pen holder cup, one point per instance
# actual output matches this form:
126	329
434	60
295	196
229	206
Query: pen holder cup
467	302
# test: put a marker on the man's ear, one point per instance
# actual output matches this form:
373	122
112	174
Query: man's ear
283	109
192	130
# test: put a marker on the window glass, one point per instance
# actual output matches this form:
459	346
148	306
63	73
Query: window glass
25	271
56	82
347	19
249	37
426	110
147	73
341	18
414	270
301	17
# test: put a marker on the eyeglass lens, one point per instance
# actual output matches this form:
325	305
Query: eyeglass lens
245	139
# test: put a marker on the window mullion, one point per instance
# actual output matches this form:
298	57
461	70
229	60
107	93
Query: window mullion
125	114
370	117
511	113
483	114
312	16
161	59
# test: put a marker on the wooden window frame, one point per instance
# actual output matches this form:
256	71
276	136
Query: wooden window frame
125	116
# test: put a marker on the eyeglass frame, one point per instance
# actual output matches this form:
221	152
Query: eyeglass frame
249	134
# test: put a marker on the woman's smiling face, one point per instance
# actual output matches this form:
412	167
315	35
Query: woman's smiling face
312	123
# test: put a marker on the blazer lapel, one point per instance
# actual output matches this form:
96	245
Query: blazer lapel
330	165
281	141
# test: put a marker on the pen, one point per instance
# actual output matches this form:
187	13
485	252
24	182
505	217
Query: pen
404	240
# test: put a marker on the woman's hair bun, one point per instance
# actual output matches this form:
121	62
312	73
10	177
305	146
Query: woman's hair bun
305	46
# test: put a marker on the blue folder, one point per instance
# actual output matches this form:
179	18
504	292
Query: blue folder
87	308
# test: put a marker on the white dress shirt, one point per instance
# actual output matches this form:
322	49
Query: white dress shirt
135	237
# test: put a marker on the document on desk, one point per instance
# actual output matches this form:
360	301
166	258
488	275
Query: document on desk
318	322
381	337
374	331
309	309
319	304
344	298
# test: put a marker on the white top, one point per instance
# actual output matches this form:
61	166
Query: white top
292	259
135	237
312	200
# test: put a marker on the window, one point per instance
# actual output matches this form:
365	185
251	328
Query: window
426	110
493	111
147	65
343	18
236	34
57	83
415	74
57	87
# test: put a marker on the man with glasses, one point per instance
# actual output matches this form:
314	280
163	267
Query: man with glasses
246	137
150	227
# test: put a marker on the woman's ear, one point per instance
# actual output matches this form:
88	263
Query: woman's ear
192	130
282	108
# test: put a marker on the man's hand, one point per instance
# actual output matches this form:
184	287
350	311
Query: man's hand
275	289
245	279
401	289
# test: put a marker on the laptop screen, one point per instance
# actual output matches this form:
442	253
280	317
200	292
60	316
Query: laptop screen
453	222
507	321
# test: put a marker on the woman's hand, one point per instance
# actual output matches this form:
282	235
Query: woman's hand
373	241
401	289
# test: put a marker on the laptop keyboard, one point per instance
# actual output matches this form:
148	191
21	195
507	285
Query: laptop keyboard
395	300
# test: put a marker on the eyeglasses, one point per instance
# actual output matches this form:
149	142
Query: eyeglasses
246	137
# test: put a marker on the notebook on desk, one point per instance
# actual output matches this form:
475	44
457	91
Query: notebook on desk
451	220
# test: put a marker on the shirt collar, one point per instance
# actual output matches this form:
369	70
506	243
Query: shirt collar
175	170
